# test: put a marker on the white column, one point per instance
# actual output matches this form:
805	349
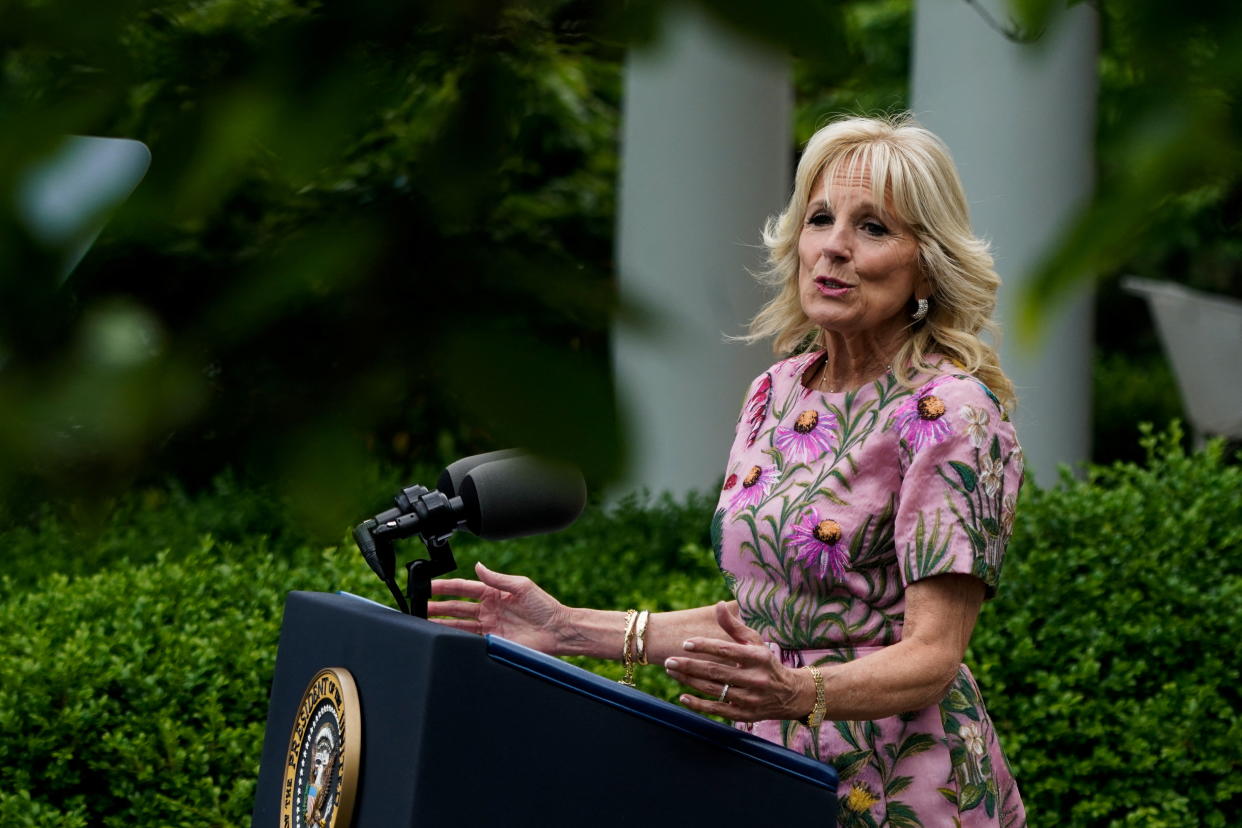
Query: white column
1020	121
706	150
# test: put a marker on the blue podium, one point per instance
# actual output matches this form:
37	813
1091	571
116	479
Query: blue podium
459	730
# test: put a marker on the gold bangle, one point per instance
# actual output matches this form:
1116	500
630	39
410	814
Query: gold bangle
627	657
816	715
640	639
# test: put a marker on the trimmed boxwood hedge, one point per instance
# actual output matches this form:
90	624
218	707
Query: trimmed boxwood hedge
137	695
1110	659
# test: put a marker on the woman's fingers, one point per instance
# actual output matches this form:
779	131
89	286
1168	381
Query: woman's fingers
459	587
460	624
717	708
729	617
454	609
730	651
697	671
499	580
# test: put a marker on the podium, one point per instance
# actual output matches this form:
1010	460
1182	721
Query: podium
458	729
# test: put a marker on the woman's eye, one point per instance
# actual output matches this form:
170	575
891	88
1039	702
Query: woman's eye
874	228
820	219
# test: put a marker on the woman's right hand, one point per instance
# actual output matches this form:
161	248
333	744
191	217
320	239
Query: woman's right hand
511	606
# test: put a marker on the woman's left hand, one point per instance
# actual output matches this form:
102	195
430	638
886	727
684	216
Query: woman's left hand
759	686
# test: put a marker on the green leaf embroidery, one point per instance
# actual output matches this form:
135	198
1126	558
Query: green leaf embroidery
832	496
851	762
957	701
843	728
917	743
972	795
976	539
717	534
949	794
897	784
902	815
966	473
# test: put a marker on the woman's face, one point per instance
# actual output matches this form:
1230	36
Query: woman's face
858	264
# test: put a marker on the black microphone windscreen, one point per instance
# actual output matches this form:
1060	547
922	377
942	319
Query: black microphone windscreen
522	495
451	478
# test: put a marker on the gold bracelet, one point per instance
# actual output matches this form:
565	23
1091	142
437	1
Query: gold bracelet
640	639
816	715
627	657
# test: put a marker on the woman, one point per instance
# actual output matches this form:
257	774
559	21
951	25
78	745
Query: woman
868	498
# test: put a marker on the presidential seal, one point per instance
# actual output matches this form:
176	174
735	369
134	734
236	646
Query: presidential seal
321	766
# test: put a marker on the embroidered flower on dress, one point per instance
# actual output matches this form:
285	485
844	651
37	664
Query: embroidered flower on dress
818	543
730	482
799	364
755	487
809	438
756	409
973	737
860	799
976	420
990	472
922	419
1009	510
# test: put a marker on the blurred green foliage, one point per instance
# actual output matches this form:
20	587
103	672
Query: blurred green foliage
1130	388
135	695
369	229
377	230
1168	200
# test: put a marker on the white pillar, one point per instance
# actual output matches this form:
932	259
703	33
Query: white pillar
1020	121
706	151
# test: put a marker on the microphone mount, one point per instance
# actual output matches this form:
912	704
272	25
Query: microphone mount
433	517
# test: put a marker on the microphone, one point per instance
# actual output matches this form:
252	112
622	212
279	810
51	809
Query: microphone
380	557
512	496
454	473
521	495
497	495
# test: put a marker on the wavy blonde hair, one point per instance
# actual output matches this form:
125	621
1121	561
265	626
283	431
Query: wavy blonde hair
913	169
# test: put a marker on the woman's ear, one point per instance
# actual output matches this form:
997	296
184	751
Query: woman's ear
922	285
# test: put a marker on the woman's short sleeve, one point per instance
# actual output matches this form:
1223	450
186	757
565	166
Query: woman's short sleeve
961	471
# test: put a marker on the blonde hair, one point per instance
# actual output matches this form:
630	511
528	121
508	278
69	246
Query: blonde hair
914	171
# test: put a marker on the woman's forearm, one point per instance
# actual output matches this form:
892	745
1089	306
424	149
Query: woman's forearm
918	670
601	633
906	676
902	677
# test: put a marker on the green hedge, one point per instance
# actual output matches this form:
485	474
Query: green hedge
137	695
1110	659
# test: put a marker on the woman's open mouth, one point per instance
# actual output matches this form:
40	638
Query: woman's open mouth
830	286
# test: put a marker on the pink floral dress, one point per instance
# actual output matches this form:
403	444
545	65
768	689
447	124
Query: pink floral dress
832	504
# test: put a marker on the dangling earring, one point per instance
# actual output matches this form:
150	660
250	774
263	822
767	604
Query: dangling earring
920	311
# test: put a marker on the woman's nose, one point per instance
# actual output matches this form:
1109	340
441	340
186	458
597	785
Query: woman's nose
834	243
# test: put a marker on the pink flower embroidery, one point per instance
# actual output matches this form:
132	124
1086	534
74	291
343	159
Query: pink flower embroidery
799	364
808	439
923	420
755	487
757	408
819	542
